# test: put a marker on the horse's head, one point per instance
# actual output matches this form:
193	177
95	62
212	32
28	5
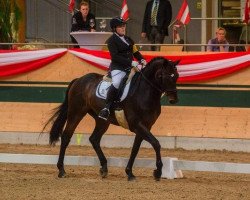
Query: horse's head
166	76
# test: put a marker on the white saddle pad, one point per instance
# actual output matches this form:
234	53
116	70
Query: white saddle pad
103	87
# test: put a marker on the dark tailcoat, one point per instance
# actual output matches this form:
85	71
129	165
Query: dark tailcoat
164	17
121	53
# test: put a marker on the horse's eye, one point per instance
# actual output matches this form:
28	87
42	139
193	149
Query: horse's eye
172	75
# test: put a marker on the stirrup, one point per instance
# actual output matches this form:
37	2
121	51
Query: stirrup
104	114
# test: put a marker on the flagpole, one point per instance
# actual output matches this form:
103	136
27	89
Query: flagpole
247	34
171	26
183	16
185	37
173	35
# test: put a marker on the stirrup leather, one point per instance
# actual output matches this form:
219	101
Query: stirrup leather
104	114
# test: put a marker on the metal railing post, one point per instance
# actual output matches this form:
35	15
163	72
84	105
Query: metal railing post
36	19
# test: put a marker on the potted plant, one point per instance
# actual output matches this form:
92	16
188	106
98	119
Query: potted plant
9	21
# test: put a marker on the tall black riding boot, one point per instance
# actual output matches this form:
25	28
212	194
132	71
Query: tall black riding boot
111	97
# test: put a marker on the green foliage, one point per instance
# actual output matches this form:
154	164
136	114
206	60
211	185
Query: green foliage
10	15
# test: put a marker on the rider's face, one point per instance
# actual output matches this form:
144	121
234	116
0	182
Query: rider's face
121	30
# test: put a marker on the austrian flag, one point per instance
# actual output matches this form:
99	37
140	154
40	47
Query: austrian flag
246	17
184	14
71	5
125	12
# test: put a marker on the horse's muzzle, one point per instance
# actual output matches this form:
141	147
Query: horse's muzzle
172	97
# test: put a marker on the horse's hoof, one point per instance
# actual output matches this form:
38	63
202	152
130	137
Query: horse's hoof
157	175
62	174
103	173
131	178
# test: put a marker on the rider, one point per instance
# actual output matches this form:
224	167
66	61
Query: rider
122	50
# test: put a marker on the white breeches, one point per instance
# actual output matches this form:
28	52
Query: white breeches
117	76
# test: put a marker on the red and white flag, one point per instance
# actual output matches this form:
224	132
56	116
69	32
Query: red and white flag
125	12
71	5
184	14
246	17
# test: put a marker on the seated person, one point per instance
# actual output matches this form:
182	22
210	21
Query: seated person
83	20
223	45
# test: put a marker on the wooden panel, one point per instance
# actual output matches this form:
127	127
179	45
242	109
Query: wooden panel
171	48
204	122
174	121
31	117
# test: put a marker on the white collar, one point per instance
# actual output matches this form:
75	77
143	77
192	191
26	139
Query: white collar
122	38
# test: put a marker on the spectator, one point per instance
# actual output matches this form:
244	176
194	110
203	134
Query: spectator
157	17
83	20
223	45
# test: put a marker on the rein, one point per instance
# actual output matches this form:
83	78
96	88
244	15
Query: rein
149	82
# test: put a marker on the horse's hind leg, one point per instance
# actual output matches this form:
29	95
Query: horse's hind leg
134	152
95	139
71	125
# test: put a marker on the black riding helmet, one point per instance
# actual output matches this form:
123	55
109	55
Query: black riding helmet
116	21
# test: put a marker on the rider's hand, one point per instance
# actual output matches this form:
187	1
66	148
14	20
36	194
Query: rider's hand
134	64
143	62
139	67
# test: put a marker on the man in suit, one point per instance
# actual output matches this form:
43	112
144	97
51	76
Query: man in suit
157	17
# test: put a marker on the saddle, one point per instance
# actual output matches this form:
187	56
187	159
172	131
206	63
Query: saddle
103	86
102	90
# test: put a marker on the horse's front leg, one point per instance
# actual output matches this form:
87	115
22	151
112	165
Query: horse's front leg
134	152
148	136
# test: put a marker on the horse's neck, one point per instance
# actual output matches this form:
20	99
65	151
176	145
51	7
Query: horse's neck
149	74
148	85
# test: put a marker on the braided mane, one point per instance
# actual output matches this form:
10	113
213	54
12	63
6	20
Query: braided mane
151	66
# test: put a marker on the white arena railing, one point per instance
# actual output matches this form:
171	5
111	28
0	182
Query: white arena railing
172	167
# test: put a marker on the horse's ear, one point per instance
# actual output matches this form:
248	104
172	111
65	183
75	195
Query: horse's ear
176	62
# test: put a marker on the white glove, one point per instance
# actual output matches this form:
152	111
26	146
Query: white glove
134	64
139	67
143	62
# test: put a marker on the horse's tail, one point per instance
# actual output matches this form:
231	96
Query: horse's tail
59	118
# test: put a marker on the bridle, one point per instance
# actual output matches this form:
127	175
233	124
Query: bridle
156	86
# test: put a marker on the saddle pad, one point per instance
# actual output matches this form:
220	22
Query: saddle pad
103	87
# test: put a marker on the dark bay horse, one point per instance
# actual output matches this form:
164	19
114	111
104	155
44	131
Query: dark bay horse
142	107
